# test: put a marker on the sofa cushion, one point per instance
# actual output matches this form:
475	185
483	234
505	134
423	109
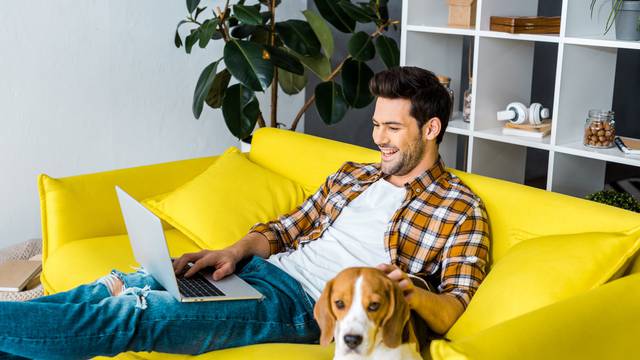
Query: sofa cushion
541	271
84	261
219	206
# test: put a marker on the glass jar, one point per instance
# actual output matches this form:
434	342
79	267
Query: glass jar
599	129
445	81
466	107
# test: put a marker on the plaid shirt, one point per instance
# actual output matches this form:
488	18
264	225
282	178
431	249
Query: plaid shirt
440	231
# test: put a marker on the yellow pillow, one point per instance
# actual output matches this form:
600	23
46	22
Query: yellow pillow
541	271
219	206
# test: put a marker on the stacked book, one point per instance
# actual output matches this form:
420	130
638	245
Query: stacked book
528	130
628	145
525	24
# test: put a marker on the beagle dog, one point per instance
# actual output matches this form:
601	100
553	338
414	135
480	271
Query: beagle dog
367	315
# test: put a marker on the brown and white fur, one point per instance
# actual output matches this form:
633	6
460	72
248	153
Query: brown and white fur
367	315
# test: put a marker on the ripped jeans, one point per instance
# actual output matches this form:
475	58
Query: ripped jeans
87	321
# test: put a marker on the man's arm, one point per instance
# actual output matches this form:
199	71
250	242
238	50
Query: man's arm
463	268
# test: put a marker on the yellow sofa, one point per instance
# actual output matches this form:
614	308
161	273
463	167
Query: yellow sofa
82	229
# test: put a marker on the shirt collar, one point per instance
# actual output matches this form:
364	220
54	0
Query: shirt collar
421	182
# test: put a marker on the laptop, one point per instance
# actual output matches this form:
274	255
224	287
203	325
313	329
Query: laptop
150	250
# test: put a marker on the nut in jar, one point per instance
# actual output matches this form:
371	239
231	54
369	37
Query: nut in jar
599	130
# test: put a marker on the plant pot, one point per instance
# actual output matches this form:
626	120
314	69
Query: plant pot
628	21
245	144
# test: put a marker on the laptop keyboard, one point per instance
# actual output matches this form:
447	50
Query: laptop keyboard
197	286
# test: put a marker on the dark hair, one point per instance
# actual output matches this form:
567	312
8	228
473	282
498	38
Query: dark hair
428	97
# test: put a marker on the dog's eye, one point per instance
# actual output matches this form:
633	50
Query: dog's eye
339	304
374	306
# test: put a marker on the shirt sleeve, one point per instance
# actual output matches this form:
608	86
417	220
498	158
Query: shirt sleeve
283	232
466	255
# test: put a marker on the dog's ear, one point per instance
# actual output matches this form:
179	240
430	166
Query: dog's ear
397	316
323	314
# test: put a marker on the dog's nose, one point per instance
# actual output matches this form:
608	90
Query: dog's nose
352	341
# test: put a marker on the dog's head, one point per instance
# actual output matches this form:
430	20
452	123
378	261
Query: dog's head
360	308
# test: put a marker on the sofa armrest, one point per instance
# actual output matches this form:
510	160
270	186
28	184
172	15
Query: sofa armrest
86	206
603	323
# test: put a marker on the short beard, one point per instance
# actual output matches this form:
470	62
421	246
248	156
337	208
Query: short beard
409	159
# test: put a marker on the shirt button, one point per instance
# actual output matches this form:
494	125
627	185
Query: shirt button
418	191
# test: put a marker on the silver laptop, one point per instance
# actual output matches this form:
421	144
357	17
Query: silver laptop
150	250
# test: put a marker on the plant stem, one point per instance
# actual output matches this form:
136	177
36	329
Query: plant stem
274	82
333	74
261	120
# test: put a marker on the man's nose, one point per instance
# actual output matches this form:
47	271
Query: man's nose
352	341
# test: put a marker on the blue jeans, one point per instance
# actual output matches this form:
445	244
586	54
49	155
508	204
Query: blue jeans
87	321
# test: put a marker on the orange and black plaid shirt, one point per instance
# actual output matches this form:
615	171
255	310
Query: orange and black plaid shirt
440	231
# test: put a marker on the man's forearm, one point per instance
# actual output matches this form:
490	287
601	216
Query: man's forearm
254	243
440	311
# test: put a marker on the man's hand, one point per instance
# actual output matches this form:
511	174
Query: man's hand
402	279
224	262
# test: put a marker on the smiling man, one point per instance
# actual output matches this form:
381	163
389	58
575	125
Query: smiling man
406	214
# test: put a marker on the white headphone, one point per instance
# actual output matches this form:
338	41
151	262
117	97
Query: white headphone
518	113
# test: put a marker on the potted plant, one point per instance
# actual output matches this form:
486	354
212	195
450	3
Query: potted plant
260	52
626	15
614	198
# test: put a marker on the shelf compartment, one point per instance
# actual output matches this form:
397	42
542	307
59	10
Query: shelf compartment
432	13
504	161
588	75
506	75
506	8
577	175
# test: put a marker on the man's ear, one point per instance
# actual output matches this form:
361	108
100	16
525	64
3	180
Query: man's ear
323	314
432	128
397	316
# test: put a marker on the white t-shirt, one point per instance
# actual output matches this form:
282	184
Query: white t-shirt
355	238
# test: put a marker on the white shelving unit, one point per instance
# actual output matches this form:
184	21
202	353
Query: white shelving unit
503	73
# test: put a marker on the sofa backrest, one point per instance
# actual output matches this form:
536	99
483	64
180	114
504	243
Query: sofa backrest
516	212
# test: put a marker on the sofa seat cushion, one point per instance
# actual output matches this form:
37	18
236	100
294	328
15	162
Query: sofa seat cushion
251	352
84	261
544	270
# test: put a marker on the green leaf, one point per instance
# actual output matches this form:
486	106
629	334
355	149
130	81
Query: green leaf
242	31
361	46
240	109
248	14
202	88
330	102
176	39
282	59
322	31
330	10
355	12
207	29
191	39
260	35
245	62
192	5
355	80
199	11
319	65
291	83
218	88
298	36
388	50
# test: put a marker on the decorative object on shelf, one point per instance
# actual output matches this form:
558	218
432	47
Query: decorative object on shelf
526	24
628	145
462	13
614	198
519	113
260	53
537	131
599	129
445	81
466	105
626	15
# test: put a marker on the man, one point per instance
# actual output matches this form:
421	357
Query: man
406	214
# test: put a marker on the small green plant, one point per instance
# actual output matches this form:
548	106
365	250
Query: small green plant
615	9
614	198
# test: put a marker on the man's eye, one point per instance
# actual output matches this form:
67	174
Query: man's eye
339	304
375	125
374	306
394	129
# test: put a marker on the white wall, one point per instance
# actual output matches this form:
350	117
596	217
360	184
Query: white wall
90	85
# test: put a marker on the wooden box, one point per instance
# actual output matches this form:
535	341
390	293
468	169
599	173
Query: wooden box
462	13
526	24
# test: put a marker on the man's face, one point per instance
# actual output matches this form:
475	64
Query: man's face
397	135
